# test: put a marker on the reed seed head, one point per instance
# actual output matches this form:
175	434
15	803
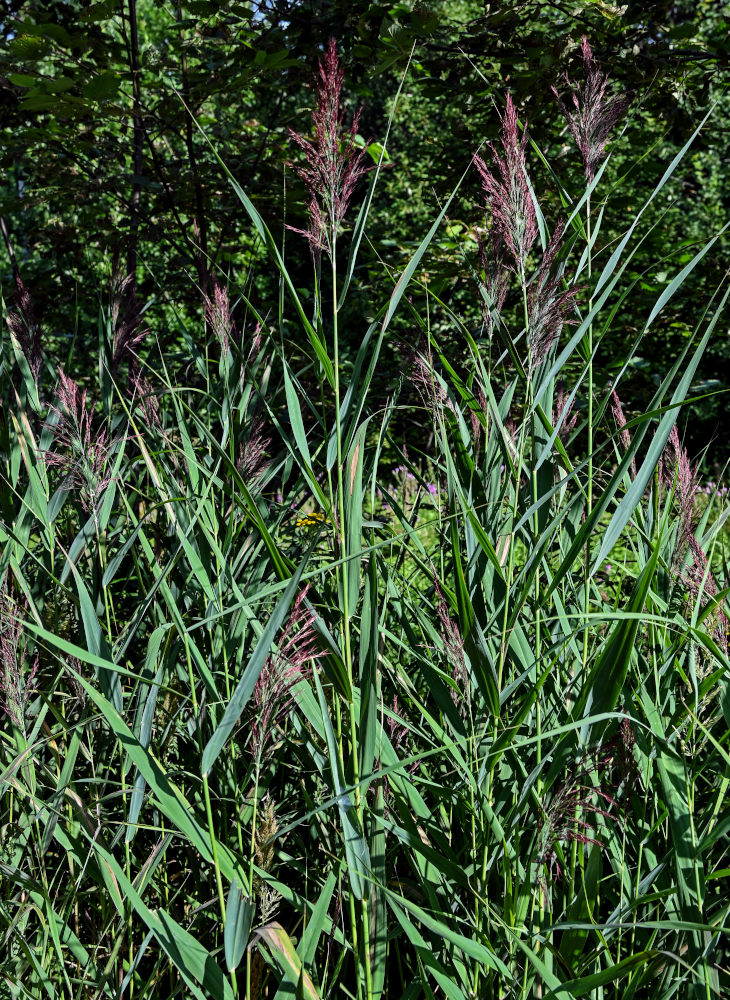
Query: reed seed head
82	454
594	113
26	330
333	163
507	191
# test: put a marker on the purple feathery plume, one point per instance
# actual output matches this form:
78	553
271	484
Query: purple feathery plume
273	694
679	473
81	455
507	191
333	163
564	413
595	113
252	458
218	315
16	681
620	418
547	304
496	277
125	314
141	390
562	823
454	645
26	329
398	732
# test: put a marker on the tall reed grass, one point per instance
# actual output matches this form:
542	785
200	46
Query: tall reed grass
280	723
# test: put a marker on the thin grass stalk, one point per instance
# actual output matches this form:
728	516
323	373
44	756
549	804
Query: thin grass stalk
206	795
252	853
127	848
589	492
344	585
515	505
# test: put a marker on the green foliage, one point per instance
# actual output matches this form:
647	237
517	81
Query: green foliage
327	684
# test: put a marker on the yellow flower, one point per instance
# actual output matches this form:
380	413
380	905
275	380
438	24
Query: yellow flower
311	520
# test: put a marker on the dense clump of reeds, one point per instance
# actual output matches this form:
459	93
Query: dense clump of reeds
279	722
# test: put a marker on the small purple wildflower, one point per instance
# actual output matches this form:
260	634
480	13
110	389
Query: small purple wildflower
402	470
334	165
594	114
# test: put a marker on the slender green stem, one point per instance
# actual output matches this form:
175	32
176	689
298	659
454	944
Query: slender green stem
589	491
344	589
206	796
252	854
515	506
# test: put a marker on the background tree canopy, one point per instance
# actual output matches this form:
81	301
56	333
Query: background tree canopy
111	114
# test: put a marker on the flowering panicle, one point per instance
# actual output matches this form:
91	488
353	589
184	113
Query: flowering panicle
16	682
507	191
548	304
128	331
594	113
561	821
273	694
454	644
479	429
564	412
496	278
26	329
598	784
421	373
218	316
700	582
398	732
618	415
252	461
141	390
333	163
679	474
267	828
83	456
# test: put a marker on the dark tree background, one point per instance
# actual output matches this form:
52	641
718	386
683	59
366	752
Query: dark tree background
110	113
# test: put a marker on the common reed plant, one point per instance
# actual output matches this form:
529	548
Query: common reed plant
281	722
